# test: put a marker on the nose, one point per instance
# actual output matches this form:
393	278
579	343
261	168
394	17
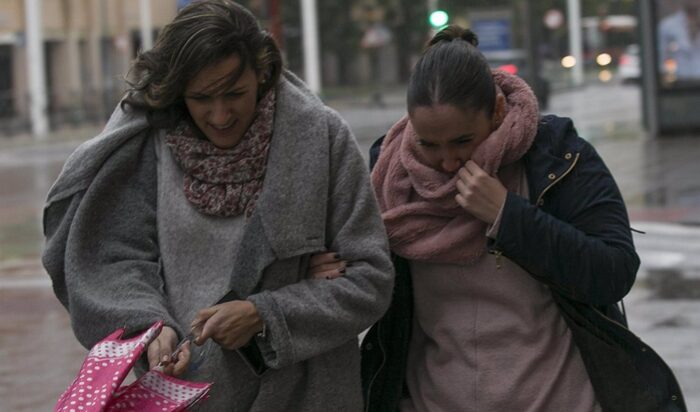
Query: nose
220	114
450	164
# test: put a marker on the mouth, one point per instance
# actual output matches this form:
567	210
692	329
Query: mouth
225	127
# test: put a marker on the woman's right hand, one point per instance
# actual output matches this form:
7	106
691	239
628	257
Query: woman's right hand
161	349
326	266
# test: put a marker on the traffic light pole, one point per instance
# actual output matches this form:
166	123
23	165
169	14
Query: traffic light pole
432	6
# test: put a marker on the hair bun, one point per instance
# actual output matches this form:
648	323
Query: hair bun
453	32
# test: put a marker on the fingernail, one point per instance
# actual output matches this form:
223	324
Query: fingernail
165	358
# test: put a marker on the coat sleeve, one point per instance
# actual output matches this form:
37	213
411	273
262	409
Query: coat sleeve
102	251
311	317
583	247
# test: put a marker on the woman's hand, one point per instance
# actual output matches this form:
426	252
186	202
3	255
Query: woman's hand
326	266
231	324
480	194
160	350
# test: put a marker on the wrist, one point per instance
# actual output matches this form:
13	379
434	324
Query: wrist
259	328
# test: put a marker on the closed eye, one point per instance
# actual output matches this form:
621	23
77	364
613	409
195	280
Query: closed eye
236	93
463	139
426	144
199	97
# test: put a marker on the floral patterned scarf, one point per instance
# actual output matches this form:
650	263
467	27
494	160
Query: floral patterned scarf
225	182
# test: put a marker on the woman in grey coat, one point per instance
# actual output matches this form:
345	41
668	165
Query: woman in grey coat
202	203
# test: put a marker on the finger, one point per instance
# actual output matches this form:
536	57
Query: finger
167	369
159	355
208	330
183	359
330	274
462	188
462	202
473	168
323	258
153	354
464	174
341	264
203	315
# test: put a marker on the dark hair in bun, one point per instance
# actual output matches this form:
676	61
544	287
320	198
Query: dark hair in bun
454	32
452	71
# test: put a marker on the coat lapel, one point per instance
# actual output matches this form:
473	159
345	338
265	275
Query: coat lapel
290	214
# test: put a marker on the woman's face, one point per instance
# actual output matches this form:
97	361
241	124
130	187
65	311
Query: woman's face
223	115
447	135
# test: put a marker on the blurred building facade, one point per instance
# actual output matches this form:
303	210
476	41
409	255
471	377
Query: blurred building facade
88	45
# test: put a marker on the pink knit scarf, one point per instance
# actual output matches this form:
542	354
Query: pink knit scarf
225	182
423	220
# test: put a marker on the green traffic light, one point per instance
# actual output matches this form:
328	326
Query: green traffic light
438	18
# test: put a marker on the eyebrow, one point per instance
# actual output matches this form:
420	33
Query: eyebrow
204	93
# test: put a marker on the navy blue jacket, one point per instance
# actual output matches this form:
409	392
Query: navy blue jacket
573	235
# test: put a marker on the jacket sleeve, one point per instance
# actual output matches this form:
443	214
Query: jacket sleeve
102	251
580	242
308	318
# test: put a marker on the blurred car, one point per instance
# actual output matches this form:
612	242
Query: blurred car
629	66
514	61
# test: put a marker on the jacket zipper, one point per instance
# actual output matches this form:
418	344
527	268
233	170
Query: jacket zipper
381	366
539	199
498	253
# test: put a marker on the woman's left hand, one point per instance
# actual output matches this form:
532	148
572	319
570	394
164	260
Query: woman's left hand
231	324
327	265
480	194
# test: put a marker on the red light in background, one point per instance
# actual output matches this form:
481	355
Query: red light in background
624	59
509	68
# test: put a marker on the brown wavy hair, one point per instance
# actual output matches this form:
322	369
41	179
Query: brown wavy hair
203	33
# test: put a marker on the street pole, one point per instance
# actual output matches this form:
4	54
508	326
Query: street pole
531	42
35	64
146	25
312	61
432	6
576	40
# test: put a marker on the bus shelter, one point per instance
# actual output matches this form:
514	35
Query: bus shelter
670	32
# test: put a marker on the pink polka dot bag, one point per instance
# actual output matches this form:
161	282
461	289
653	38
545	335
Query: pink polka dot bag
98	384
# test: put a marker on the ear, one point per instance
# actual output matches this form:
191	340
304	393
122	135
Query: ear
499	111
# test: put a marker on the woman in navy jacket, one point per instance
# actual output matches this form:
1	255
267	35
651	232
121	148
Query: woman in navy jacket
512	247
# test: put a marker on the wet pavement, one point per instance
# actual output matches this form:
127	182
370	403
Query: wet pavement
39	355
658	179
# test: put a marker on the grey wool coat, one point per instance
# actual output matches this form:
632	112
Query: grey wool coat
104	257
